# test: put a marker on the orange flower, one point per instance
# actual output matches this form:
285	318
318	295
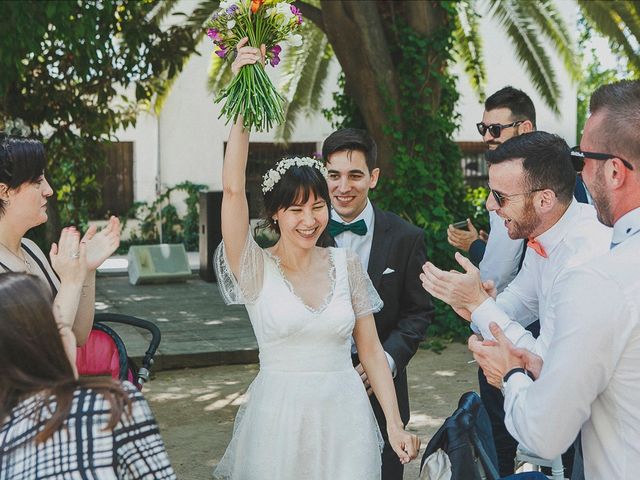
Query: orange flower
255	5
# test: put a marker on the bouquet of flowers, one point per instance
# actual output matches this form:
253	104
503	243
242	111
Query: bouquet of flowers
268	22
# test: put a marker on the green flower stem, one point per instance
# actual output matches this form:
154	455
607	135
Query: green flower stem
251	93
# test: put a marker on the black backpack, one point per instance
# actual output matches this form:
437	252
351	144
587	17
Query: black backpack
463	444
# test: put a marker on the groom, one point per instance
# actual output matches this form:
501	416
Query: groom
391	251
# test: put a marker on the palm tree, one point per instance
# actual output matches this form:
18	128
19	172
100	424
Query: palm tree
360	35
395	58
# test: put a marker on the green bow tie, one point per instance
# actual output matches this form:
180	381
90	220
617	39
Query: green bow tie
336	228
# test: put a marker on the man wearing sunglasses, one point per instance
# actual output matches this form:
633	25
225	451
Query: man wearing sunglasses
532	182
509	112
590	381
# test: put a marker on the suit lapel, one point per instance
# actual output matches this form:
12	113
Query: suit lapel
380	245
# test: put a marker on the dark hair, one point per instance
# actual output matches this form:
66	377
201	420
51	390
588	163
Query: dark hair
619	132
547	162
22	160
349	139
33	359
296	186
515	100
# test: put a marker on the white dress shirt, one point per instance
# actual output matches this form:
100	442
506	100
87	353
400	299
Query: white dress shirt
590	380
501	256
576	237
361	244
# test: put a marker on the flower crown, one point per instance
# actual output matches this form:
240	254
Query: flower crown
15	128
275	174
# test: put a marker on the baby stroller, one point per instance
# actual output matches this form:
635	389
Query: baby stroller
105	353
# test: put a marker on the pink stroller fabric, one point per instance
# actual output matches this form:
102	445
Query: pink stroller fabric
100	356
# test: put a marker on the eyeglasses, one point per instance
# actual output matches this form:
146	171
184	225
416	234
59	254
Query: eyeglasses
501	197
578	156
495	129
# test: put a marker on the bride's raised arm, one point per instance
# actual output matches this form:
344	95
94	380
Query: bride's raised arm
235	210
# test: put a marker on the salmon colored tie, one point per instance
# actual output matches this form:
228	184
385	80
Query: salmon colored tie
539	249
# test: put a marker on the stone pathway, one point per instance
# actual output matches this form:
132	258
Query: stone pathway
197	328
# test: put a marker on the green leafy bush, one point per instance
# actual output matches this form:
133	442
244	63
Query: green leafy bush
160	222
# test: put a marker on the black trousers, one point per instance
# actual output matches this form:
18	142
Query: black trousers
392	469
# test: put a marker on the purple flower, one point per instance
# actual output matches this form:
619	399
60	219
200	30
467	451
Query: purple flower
274	55
297	13
214	34
222	52
232	10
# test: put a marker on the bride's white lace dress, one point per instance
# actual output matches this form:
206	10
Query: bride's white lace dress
307	415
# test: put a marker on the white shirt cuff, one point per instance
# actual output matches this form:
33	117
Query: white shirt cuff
392	365
516	382
488	312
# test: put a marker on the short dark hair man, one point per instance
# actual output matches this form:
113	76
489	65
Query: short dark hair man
590	382
509	112
531	180
392	251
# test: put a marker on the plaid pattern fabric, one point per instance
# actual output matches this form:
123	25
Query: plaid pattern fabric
82	449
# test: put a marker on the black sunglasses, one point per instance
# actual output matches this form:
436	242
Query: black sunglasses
501	197
495	129
578	156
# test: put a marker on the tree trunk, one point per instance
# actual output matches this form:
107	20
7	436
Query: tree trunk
356	33
361	36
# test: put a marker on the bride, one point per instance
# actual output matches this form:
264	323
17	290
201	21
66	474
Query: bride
307	415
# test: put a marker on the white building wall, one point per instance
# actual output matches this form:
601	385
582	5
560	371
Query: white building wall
186	141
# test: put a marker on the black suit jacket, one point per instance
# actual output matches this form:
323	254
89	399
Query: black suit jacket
402	323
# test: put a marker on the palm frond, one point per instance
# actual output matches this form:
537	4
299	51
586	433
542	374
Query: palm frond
530	52
547	18
304	73
629	13
192	28
317	89
201	14
469	46
161	10
219	74
619	22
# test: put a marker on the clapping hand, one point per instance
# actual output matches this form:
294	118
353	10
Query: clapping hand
463	291
497	357
101	245
405	444
69	256
532	362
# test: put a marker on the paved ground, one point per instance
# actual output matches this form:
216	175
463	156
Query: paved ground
197	328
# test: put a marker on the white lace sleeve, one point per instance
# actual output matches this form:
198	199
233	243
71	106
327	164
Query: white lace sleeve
364	297
245	289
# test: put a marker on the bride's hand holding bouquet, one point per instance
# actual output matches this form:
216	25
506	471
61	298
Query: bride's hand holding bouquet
246	55
269	23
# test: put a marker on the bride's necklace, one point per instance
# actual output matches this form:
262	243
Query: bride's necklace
27	264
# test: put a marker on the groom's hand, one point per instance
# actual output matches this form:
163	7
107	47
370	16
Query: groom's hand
365	379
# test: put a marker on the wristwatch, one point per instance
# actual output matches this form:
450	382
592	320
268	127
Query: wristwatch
511	372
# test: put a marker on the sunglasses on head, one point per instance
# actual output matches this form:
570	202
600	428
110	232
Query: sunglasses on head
495	129
578	156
